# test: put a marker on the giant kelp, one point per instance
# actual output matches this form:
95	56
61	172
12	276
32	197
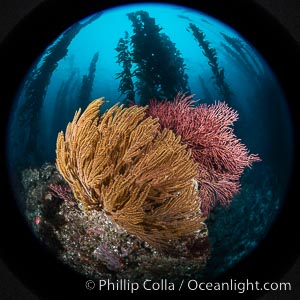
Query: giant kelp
160	68
205	93
143	178
66	99
248	69
240	48
126	86
88	82
211	54
28	115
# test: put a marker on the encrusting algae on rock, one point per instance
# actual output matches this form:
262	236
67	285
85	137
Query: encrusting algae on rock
91	244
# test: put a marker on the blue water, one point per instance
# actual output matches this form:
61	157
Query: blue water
264	123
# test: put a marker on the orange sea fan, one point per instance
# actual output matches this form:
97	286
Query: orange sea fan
143	178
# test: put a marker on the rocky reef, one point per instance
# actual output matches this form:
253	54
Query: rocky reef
91	244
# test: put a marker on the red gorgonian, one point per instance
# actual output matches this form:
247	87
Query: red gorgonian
207	130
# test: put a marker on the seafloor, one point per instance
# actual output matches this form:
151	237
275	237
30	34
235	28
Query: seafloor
91	244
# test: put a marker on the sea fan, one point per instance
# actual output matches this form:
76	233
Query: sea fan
143	178
207	130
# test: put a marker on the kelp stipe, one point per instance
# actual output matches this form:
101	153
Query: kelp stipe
160	68
211	54
124	58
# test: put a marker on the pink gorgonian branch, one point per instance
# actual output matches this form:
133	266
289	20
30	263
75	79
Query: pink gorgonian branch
63	192
207	130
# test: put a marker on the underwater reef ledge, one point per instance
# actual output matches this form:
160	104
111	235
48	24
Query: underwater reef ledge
92	245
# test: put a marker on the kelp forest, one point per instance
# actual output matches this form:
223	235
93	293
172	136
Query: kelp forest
131	143
150	67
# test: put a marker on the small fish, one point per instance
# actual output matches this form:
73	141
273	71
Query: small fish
185	18
37	220
205	21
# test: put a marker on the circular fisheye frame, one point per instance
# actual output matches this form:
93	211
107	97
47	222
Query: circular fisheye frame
153	154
